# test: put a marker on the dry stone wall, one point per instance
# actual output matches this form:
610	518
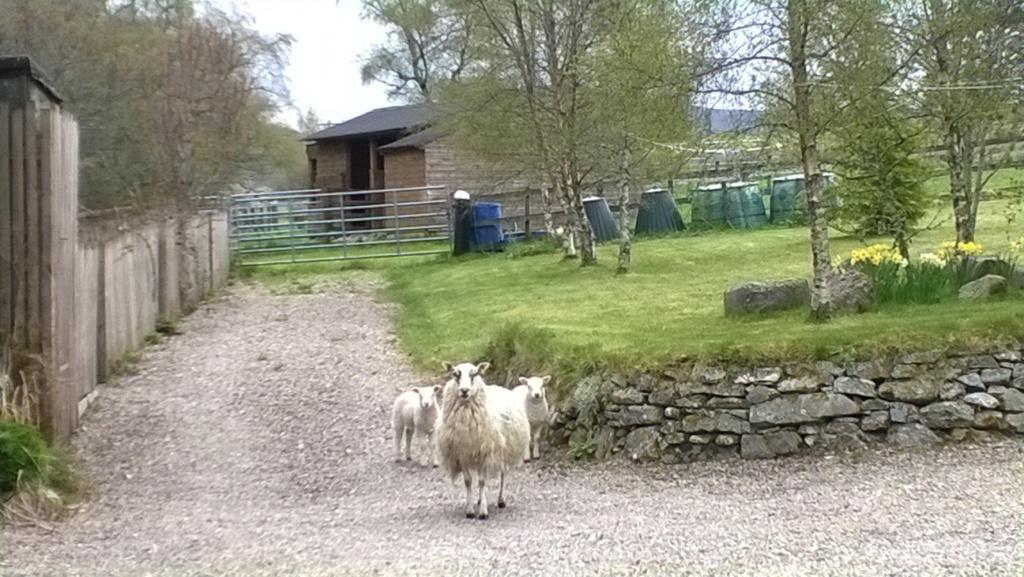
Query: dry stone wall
699	411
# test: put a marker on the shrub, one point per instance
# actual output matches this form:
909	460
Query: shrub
24	456
516	349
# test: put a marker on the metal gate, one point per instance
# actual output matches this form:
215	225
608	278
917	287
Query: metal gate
299	226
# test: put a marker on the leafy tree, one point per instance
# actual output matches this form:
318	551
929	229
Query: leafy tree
969	60
428	42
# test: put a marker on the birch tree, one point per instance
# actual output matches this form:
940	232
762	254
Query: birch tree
779	55
969	66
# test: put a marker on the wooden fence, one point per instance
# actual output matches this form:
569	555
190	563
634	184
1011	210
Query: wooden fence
77	294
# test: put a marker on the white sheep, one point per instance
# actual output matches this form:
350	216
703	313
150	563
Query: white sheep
415	412
484	433
532	392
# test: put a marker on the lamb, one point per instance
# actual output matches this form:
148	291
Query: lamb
415	413
484	433
532	392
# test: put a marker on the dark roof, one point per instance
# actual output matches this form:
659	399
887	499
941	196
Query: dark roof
390	119
416	139
23	65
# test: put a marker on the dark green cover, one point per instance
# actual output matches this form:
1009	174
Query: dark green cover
601	220
658	214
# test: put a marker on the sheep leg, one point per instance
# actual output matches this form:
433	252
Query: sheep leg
470	511
399	433
482	499
536	444
431	450
529	451
408	443
501	491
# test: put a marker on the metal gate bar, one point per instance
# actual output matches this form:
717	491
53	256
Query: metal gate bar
299	221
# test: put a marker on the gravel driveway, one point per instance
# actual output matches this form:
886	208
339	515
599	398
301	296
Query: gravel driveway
258	443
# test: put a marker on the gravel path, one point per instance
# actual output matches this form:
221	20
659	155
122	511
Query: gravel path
257	443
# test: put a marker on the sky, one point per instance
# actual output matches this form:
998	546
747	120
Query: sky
324	69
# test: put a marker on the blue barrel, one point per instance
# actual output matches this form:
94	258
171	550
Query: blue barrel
487	226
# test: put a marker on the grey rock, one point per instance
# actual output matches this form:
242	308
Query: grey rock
729	390
1008	357
905	371
634	415
708	375
851	291
1012	400
727	403
1018	383
645	383
998	391
828	368
805	408
701	439
912	435
903	413
783	442
981	362
672	413
875	405
759	394
1018	371
642	444
767	375
1016	422
799	385
726	423
917	391
755	447
921	357
877	421
983	288
699	422
972	382
951	390
763	297
663	397
992	420
809	429
855	386
673	438
627	396
672	457
947	415
842	428
870	370
998	376
725	440
691	402
811	440
983	400
689	388
604	441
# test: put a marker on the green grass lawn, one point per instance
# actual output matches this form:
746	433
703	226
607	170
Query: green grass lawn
550	313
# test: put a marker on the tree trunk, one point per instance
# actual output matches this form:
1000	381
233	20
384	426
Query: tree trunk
957	160
571	228
821	299
625	246
549	219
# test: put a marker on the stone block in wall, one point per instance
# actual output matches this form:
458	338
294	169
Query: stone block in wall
626	396
642	444
1007	357
805	384
981	362
727	440
760	394
912	435
755	447
804	408
1012	400
998	376
947	415
917	391
875	405
905	371
727	403
763	375
951	390
635	415
672	413
1016	422
728	389
783	443
705	374
982	400
992	420
869	370
903	413
875	421
855	386
972	382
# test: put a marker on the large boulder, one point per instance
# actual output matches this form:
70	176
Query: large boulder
912	435
983	288
851	291
768	296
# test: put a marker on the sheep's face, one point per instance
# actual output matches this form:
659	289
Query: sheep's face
537	386
467	378
428	396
